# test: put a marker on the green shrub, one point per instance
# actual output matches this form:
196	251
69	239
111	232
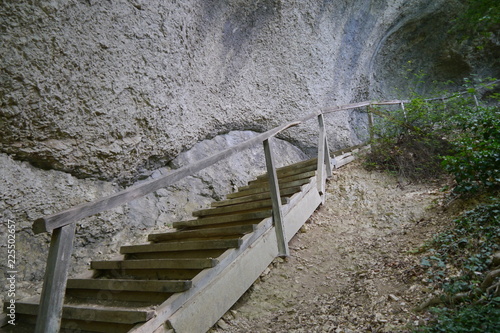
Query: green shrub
467	249
476	161
465	319
427	139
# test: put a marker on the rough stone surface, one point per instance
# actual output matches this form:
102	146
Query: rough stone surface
116	90
111	88
28	193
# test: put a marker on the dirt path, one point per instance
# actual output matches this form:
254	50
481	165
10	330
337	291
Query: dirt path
349	271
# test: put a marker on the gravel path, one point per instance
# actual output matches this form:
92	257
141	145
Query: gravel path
349	269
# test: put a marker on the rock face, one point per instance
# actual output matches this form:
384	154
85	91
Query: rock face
98	94
28	193
111	88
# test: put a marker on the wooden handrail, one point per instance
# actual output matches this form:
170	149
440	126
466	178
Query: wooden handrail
51	302
51	222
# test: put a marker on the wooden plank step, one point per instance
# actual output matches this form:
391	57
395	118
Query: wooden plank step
149	274
169	286
124	298
264	183
307	174
298	165
258	215
198	254
293	169
92	312
201	233
155	264
26	324
265	188
210	244
285	193
236	208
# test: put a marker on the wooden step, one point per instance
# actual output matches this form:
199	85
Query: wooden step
210	244
92	312
284	193
148	274
252	216
198	254
125	299
158	286
236	208
303	175
26	324
199	234
265	188
288	180
155	264
293	169
124	292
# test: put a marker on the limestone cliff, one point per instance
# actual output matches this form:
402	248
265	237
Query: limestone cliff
98	94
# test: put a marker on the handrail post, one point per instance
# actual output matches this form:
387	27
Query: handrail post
370	123
278	220
323	157
56	275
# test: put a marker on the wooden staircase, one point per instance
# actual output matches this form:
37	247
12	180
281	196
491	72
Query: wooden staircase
185	280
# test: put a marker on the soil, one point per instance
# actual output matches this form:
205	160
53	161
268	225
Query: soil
350	268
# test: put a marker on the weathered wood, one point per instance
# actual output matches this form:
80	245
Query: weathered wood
261	204
276	200
54	284
345	107
204	279
304	175
370	123
257	215
293	169
74	326
201	233
155	264
321	156
198	254
230	263
92	313
285	193
301	212
124	298
53	221
3	319
130	285
236	278
150	274
209	244
225	289
265	188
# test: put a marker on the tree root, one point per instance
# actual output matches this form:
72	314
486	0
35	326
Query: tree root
490	286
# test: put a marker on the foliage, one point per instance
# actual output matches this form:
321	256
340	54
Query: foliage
428	138
476	162
466	319
467	249
479	20
457	262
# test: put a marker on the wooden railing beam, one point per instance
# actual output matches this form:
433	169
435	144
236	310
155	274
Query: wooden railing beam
56	275
321	156
51	222
278	221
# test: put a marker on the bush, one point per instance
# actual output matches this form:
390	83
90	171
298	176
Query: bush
466	319
475	164
427	139
459	260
